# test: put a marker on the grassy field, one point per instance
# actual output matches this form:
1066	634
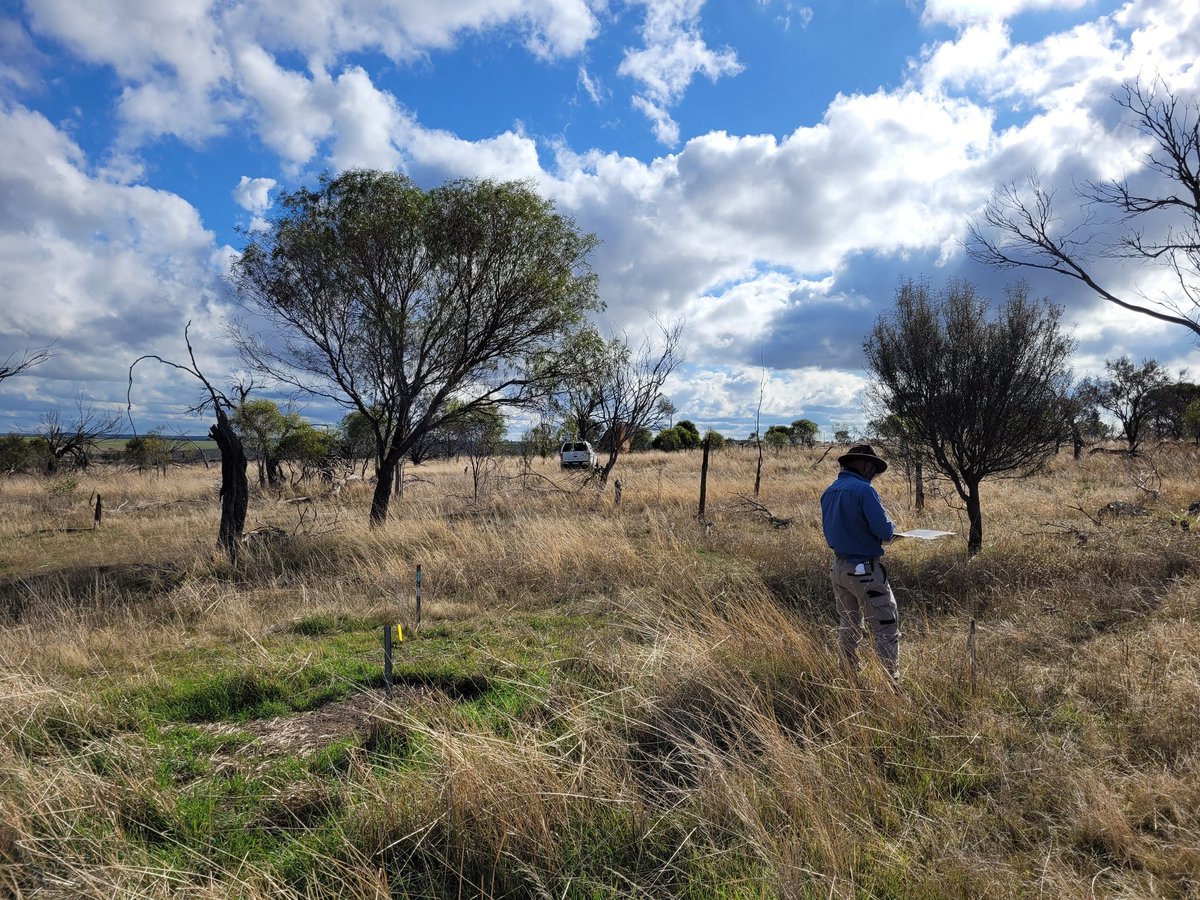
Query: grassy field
600	701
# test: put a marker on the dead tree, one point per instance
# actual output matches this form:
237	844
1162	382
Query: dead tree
235	489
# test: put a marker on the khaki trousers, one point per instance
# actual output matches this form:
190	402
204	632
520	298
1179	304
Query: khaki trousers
867	595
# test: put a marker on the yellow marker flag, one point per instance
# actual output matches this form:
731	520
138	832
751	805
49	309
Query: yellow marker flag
397	633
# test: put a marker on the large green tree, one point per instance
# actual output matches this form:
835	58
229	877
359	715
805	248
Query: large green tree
980	388
804	432
778	437
392	301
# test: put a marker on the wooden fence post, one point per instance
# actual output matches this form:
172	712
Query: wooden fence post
99	513
617	492
704	476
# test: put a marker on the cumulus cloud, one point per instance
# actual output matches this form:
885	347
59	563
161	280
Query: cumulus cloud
778	250
721	397
674	53
106	271
959	12
253	194
188	68
325	29
893	172
171	58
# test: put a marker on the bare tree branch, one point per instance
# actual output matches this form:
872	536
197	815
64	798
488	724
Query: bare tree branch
28	359
1019	228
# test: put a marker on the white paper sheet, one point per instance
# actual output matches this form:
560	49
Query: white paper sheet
924	534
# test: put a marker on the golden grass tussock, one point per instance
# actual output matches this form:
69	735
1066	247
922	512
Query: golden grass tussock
601	700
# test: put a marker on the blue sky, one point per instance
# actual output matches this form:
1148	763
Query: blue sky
767	170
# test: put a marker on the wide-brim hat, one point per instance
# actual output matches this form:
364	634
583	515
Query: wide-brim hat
863	451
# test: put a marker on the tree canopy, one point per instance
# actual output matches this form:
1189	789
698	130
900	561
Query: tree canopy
981	391
392	300
1130	392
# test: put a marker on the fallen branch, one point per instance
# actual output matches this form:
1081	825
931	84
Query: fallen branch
156	503
1093	519
758	508
522	475
823	455
1062	529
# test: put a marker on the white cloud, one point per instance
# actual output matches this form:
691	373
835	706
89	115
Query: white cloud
892	173
1063	72
591	86
959	12
190	68
1165	35
106	270
170	56
724	395
674	53
791	13
293	111
20	58
253	194
406	29
781	246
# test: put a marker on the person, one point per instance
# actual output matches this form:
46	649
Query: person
856	527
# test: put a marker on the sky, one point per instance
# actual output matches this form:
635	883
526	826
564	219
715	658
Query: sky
768	171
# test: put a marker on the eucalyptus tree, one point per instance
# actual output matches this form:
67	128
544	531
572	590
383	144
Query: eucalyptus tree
265	429
576	401
803	433
76	436
1131	393
392	301
980	389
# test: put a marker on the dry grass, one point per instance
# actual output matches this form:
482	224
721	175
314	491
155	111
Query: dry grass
601	701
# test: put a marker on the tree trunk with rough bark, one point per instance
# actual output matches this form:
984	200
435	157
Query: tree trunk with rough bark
385	474
975	517
235	489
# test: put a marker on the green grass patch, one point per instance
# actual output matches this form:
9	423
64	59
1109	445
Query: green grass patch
185	753
325	624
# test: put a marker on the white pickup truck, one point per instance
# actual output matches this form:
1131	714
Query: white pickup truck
577	455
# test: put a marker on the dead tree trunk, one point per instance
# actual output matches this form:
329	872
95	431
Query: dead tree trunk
235	489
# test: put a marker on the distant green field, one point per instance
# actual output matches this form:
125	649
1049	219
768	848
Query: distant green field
118	443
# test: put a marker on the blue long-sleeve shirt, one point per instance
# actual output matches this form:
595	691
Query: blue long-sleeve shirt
855	522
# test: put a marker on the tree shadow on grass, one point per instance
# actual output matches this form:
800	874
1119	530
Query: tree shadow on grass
84	588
